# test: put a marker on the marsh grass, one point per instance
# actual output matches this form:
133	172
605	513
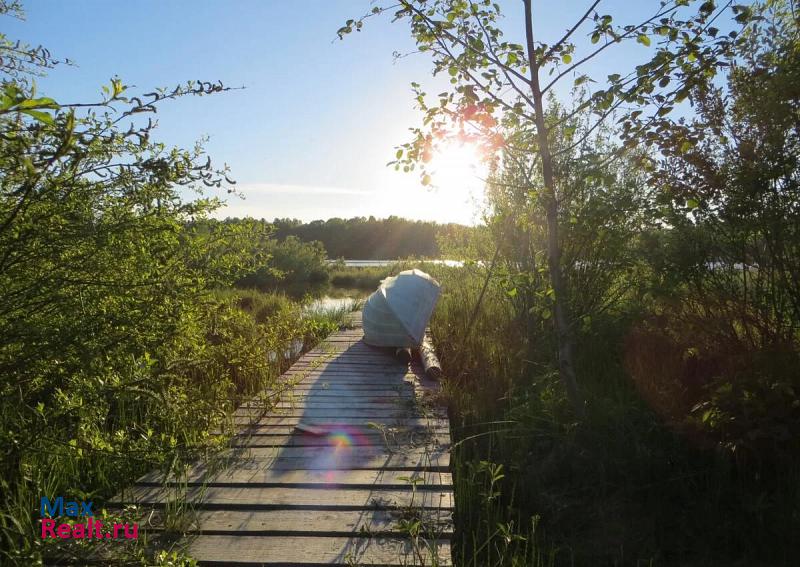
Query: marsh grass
368	278
163	417
356	277
629	486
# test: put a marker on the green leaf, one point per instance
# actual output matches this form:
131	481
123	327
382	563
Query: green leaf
453	70
692	203
426	179
643	39
566	58
37	103
399	153
42	117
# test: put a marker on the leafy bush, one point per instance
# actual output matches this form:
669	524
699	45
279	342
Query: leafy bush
293	266
116	355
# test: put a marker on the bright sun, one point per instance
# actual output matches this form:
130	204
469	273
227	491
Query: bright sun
457	175
456	190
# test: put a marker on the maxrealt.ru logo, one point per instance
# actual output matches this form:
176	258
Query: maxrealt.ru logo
72	510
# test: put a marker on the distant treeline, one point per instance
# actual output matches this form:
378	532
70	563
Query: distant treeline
362	238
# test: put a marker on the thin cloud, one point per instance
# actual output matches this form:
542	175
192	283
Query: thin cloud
280	189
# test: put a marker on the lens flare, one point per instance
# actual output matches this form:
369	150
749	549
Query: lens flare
340	439
338	452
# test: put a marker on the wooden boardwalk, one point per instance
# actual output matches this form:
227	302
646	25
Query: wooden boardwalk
351	491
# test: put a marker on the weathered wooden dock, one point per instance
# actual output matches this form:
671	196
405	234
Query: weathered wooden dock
364	480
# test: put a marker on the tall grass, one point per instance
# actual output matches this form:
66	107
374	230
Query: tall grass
625	487
359	277
370	277
163	414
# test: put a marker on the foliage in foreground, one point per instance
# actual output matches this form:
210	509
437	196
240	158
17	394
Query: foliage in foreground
683	285
629	485
116	354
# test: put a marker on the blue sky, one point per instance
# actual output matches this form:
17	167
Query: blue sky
311	133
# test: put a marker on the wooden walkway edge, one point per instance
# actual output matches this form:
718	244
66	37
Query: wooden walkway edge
367	482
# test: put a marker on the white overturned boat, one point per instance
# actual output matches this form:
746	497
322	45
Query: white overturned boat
397	314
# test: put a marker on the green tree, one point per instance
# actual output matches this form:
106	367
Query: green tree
104	283
499	87
729	181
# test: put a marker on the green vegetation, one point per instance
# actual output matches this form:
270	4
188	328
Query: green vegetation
646	477
359	277
373	239
292	266
292	257
621	350
122	344
623	358
368	278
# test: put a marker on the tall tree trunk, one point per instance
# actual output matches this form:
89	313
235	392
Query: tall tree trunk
566	338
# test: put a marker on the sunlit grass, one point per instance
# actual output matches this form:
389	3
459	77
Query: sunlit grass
535	487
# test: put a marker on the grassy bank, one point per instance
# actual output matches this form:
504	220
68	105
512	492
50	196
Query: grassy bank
642	481
364	278
368	278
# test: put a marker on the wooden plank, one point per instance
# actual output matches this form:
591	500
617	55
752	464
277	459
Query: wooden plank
357	348
315	551
361	379
338	461
350	402
334	388
328	387
343	372
339	396
324	453
328	523
201	474
248	497
342	391
342	348
335	439
354	356
407	389
360	429
332	367
372	362
334	412
377	423
347	367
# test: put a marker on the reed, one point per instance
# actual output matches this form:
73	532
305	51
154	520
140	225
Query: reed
161	416
630	485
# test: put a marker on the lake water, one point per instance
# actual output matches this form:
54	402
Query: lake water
336	298
329	302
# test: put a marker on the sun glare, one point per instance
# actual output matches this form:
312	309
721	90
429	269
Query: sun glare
457	178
